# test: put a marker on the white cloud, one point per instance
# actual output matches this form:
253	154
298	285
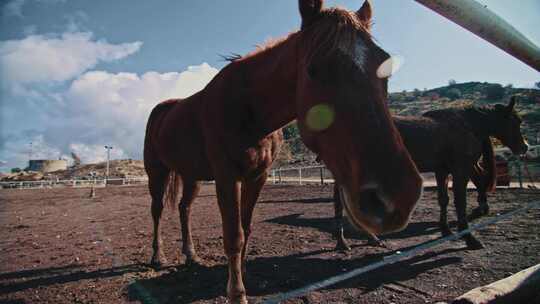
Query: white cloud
101	108
95	153
46	59
113	108
17	151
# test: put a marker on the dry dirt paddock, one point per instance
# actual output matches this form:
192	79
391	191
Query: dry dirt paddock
59	246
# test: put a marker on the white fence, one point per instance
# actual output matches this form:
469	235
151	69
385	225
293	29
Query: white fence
295	175
74	183
302	175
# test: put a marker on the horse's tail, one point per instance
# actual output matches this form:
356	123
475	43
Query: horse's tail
172	184
487	173
172	180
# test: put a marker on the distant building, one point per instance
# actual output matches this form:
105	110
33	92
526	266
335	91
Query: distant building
47	165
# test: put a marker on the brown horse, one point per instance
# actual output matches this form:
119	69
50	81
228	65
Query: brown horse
332	78
451	141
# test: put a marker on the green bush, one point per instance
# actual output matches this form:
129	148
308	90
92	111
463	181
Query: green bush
495	92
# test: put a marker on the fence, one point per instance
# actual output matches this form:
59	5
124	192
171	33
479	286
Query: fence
302	175
74	183
519	172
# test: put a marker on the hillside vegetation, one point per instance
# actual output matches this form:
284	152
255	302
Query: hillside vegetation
415	103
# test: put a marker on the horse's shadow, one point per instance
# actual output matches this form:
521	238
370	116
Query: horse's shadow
328	225
315	200
35	278
271	275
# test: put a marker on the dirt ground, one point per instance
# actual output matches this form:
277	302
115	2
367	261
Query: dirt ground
59	245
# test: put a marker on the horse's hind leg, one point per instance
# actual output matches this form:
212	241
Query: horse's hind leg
460	200
157	177
190	190
338	221
250	193
442	197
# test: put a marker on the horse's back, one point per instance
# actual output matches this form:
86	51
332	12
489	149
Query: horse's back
155	120
426	140
437	139
173	131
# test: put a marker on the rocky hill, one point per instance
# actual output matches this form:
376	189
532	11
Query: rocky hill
117	169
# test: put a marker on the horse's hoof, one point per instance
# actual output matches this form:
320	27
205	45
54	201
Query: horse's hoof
157	263
238	299
193	260
474	244
342	247
477	213
377	243
446	232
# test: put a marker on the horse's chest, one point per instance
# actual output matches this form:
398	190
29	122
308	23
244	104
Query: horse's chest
258	157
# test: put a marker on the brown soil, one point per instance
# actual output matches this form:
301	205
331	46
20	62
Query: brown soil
61	246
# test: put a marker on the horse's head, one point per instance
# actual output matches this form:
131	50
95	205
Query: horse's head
507	127
343	116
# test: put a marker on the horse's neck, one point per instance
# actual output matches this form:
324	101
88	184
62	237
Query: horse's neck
271	79
482	124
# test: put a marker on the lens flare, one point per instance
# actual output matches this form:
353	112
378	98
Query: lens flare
320	117
389	66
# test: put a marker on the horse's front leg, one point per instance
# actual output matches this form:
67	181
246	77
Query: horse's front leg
250	193
481	187
338	222
228	194
459	185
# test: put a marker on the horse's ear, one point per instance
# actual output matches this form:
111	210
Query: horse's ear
309	10
365	13
510	106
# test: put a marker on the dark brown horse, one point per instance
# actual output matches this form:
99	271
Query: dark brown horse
451	141
331	77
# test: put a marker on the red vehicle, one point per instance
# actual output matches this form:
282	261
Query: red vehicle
503	172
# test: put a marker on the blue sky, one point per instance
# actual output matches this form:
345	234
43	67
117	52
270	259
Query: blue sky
80	74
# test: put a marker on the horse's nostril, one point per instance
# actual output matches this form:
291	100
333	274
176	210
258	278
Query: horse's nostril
370	203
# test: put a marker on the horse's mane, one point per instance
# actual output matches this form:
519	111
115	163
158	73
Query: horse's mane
334	29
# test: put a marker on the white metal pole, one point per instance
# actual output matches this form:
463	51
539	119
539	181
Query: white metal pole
484	23
108	148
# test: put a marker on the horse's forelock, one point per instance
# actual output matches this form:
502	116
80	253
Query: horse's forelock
336	30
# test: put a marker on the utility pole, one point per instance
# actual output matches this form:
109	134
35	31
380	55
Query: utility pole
30	156
108	148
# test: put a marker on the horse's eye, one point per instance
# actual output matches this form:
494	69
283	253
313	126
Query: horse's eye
312	71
